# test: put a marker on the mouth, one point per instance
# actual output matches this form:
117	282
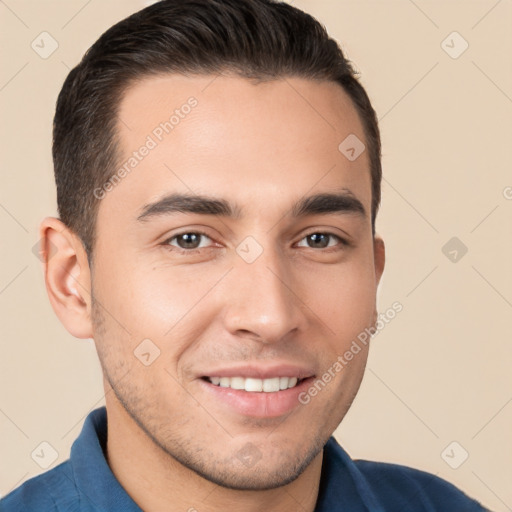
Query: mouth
254	385
256	391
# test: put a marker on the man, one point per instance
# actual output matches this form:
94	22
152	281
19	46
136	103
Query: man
218	179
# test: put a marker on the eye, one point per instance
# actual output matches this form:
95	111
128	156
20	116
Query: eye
191	240
321	241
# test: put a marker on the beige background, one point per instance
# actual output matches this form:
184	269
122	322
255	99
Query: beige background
440	371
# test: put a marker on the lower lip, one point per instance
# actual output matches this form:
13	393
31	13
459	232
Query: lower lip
259	405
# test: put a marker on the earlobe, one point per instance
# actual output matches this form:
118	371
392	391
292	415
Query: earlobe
67	276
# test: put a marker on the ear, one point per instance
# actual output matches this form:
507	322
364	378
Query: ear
67	276
379	258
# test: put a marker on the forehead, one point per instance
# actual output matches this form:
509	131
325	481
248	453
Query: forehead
252	140
228	101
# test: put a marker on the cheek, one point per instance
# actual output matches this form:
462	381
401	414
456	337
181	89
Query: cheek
343	296
138	294
168	305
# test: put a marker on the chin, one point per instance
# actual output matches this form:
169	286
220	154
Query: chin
258	478
250	470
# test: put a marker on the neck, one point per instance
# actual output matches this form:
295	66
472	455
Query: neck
156	481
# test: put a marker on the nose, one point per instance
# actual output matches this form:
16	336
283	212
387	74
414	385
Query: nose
263	300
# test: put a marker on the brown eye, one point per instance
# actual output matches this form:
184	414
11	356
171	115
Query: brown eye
320	241
190	240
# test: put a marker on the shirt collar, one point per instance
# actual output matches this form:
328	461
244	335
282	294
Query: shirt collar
96	483
342	485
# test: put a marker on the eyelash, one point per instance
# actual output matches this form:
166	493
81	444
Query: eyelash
167	243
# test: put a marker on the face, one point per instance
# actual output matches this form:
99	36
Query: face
234	263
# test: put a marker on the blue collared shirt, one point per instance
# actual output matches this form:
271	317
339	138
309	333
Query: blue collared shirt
85	483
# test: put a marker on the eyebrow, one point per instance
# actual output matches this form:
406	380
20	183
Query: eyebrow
343	202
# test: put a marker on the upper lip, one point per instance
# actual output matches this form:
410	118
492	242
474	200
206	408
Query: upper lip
262	371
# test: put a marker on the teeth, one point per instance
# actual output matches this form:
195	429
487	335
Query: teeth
271	385
251	385
237	383
254	385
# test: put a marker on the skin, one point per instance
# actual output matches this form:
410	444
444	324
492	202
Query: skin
263	146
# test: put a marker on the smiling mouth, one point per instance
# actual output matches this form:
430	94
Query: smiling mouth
251	385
